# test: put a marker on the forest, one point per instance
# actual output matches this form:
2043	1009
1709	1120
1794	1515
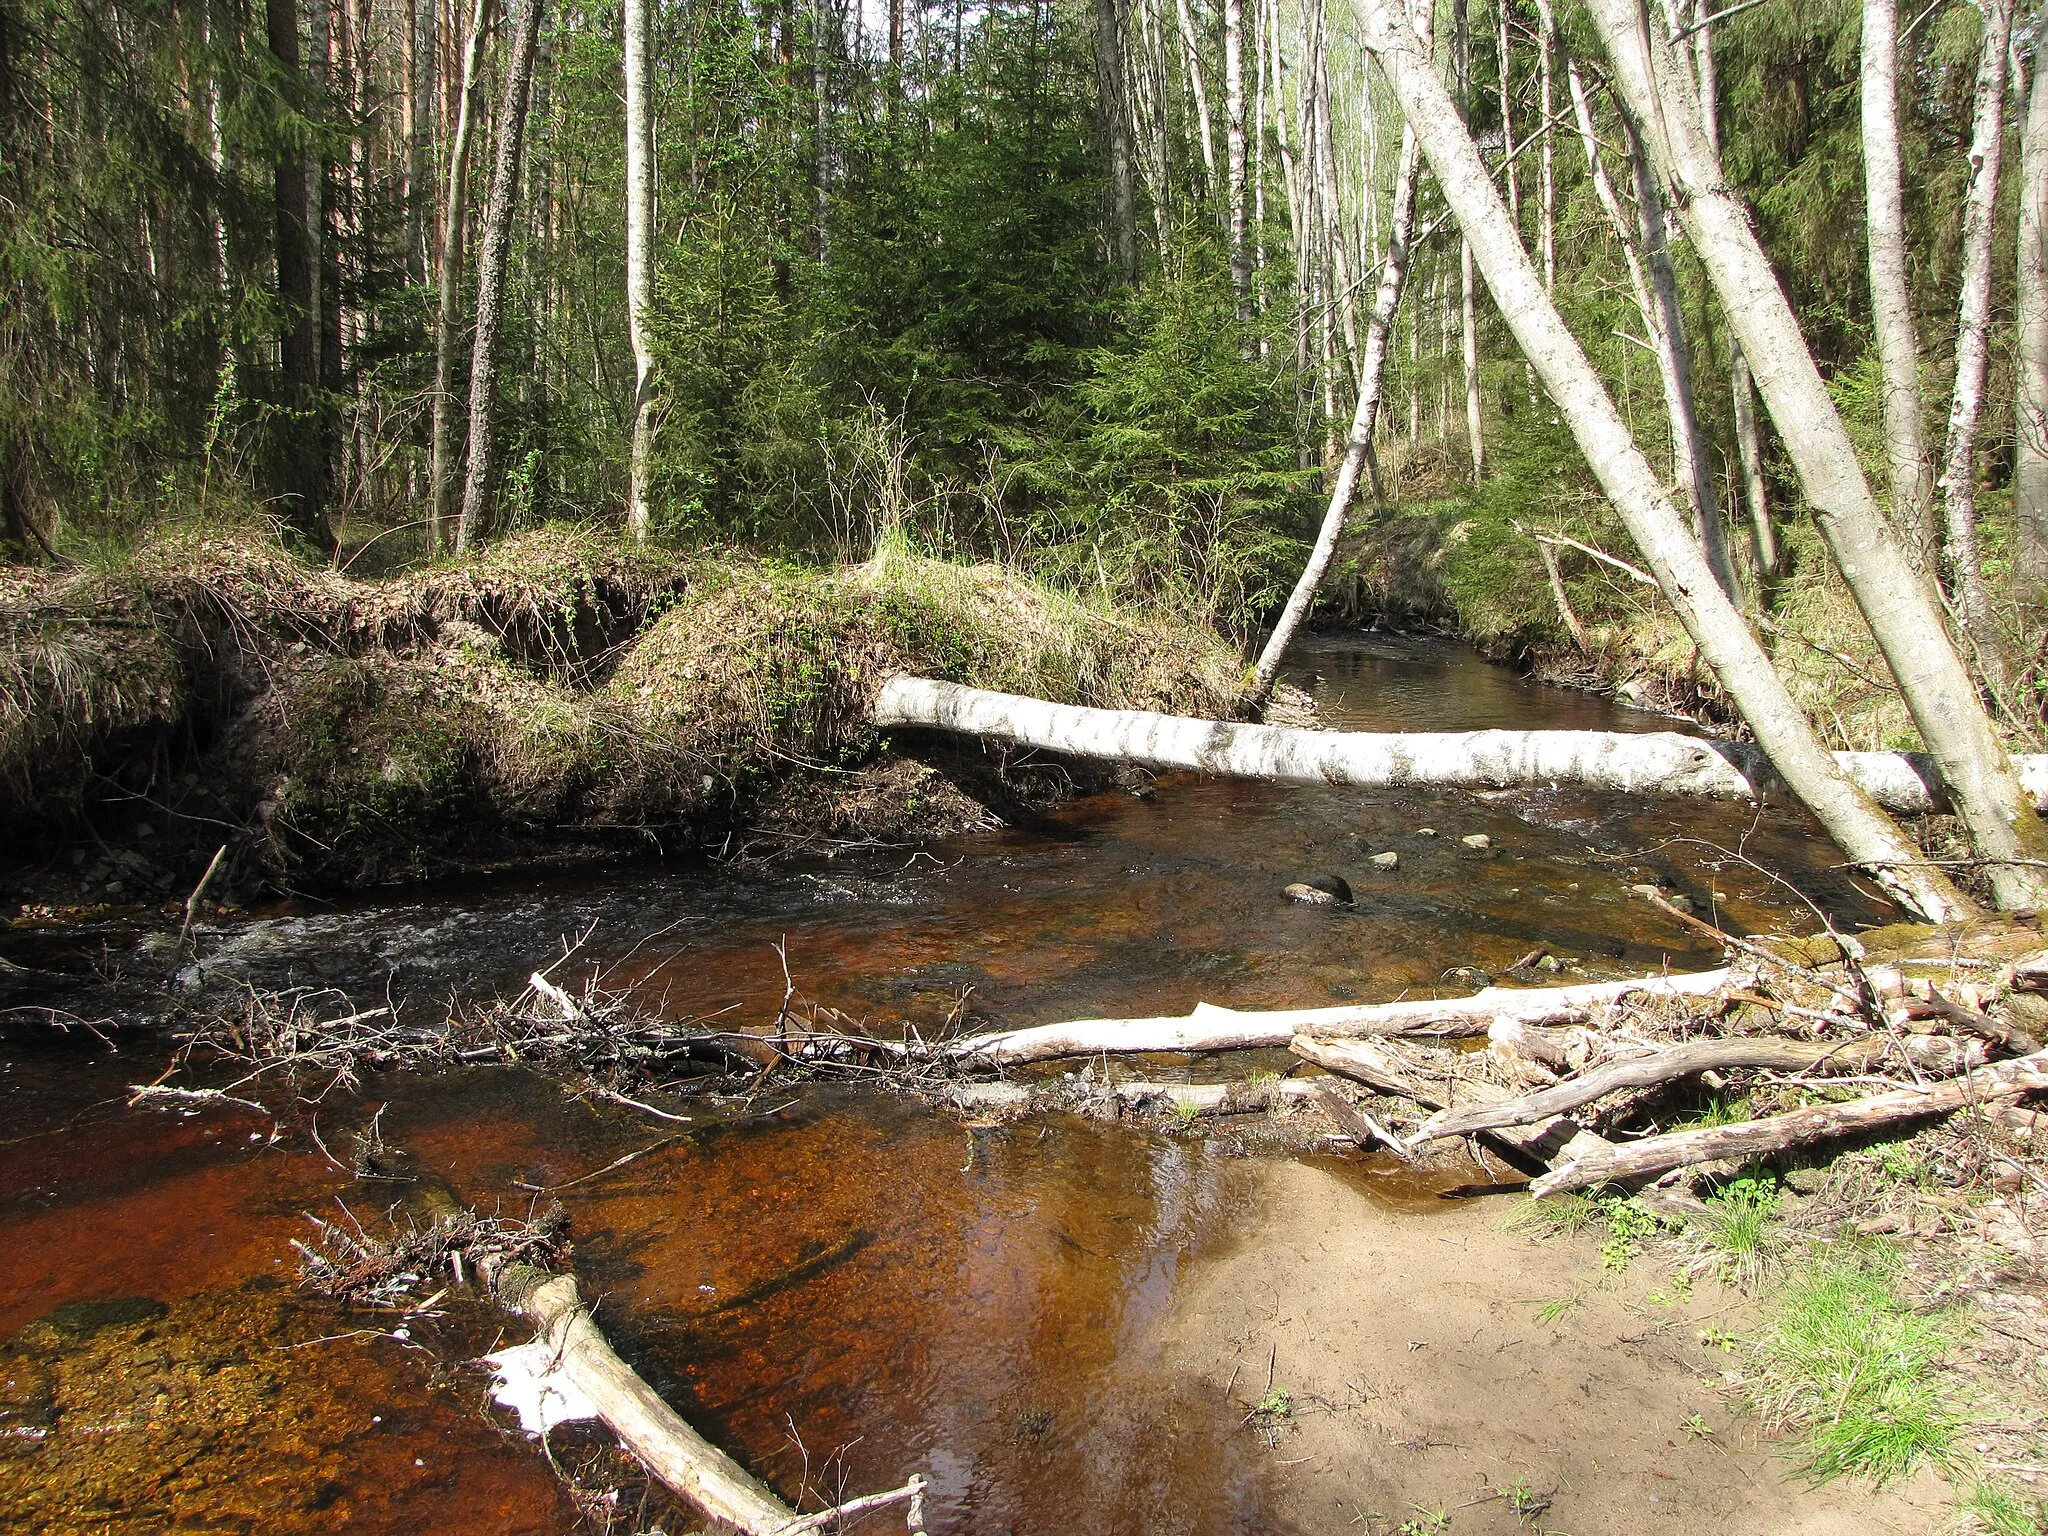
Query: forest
1288	626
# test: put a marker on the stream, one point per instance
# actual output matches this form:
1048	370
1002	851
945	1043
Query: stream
841	1287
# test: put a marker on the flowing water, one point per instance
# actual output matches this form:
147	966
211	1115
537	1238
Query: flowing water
840	1286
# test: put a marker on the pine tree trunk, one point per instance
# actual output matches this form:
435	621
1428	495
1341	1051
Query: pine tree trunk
1371	373
639	262
302	477
1864	832
1233	127
1973	352
494	252
2030	365
441	490
1891	298
1933	682
1116	120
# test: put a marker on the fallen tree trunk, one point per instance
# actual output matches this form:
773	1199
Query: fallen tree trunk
1210	1028
1659	762
1653	1155
584	1372
1371	1062
1644	1069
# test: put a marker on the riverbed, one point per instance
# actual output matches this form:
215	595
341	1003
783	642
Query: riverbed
841	1286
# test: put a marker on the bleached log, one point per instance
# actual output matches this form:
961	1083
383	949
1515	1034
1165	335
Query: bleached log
1754	1138
1209	1028
1644	1069
1651	762
1376	1064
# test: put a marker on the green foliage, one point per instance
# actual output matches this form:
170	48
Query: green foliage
1999	1510
1737	1234
1845	1360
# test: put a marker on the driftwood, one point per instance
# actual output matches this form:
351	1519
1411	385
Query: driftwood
1209	1028
1621	1162
1377	1064
1645	1068
582	1369
1634	763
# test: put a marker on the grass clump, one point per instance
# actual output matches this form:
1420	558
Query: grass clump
1997	1510
1737	1238
1846	1361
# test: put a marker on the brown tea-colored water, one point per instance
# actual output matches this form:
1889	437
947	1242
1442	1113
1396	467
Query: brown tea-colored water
838	1286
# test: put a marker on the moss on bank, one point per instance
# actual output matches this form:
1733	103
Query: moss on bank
557	696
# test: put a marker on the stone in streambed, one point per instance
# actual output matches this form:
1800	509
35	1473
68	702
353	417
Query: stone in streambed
1478	840
1320	891
1387	860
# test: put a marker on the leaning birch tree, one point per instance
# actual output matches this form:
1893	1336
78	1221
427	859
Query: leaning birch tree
1935	685
1660	530
2030	406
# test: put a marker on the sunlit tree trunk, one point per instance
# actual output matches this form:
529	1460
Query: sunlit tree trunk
1865	833
1933	682
1116	120
639	262
1891	298
2030	365
1973	351
1371	374
1233	127
1547	80
303	466
1468	313
1191	49
1749	447
441	491
494	252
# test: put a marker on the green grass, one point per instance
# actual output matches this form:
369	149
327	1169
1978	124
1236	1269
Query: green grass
1737	1237
1999	1511
1846	1361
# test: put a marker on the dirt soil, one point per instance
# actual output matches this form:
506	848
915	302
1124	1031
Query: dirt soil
1420	1380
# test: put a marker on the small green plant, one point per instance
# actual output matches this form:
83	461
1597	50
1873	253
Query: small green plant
1696	1427
1425	1522
1737	1234
1628	1224
1278	1403
1720	1109
1844	1359
1566	1216
1553	1310
1524	1500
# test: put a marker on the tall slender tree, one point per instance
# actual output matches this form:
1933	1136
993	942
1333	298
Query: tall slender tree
442	507
2030	363
639	262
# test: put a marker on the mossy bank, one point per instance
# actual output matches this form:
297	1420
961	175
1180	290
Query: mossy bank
560	698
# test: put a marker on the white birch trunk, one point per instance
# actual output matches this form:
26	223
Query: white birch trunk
1973	350
1891	298
1624	762
2030	366
1191	47
1234	151
639	263
1934	683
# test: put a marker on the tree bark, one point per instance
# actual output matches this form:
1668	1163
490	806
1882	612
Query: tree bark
1755	1138
1191	49
2030	365
639	263
1234	152
1468	313
1933	682
493	259
1891	296
1626	762
1116	120
1210	1028
1372	369
441	491
1973	351
1645	1069
302	480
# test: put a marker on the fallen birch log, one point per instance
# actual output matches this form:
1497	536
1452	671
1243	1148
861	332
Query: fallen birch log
1209	1028
1374	1063
1622	1161
1643	1069
570	1362
1661	762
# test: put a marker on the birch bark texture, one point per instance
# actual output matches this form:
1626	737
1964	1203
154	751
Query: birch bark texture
1674	556
1891	297
1973	348
1372	368
639	263
1233	129
2030	469
494	253
1933	682
441	511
